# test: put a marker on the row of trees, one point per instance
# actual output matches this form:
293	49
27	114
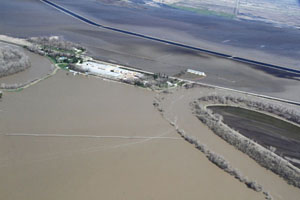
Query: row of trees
12	60
263	156
49	51
218	160
56	42
55	47
280	111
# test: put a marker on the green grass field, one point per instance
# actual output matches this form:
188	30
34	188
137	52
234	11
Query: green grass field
63	65
203	11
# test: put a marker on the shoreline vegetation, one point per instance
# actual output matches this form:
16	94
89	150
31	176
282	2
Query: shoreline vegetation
213	157
275	133
265	157
12	60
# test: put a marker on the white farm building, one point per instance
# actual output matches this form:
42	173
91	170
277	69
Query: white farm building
100	69
109	70
196	72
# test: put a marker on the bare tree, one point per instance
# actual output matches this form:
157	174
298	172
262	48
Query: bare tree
12	60
263	156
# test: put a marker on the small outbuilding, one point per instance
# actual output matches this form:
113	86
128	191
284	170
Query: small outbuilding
196	72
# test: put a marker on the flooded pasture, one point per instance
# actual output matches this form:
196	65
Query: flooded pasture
149	55
72	137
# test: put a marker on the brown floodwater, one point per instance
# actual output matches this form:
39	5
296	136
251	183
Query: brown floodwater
157	57
72	143
177	107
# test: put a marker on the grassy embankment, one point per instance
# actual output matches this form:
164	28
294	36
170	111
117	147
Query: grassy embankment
257	118
203	11
263	156
276	134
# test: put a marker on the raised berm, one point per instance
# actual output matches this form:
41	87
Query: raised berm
273	133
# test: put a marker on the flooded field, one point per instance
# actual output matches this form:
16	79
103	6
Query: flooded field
149	55
40	67
264	129
72	137
177	107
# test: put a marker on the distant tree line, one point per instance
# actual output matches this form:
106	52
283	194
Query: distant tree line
280	111
54	47
56	42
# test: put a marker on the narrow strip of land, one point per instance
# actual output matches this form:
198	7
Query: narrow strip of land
91	136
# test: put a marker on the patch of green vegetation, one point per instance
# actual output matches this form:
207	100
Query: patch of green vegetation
203	11
53	60
74	59
180	83
14	90
71	59
139	84
63	65
19	89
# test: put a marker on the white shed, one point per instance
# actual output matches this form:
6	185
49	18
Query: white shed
196	72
